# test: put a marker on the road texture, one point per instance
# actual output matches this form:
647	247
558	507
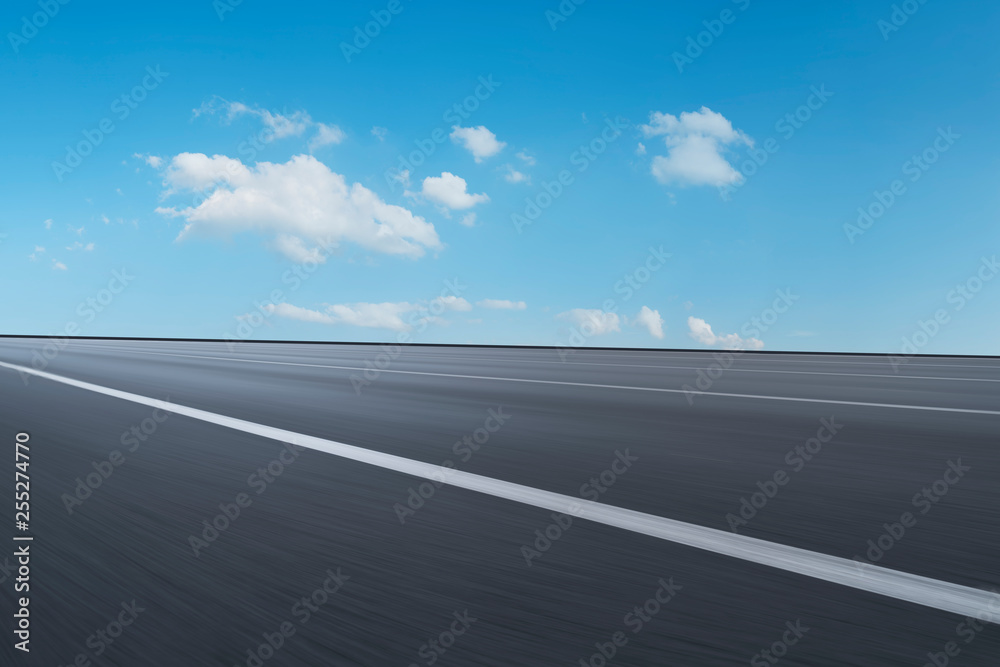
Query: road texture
342	554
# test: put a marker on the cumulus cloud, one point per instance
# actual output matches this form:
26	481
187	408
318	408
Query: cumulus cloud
451	191
58	266
38	251
477	140
299	199
502	304
650	319
640	149
592	322
696	142
86	247
469	220
48	223
702	332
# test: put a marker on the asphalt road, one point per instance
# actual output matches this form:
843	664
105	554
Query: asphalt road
419	574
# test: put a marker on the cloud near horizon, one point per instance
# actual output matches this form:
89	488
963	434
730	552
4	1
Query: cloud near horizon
702	332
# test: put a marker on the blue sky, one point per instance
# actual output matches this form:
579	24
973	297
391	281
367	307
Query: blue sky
234	148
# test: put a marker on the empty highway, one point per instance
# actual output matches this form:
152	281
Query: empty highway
205	503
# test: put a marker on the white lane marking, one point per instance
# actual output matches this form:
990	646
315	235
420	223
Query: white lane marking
682	368
432	352
943	595
794	399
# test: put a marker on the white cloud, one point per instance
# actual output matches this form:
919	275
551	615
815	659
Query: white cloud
402	176
154	161
477	140
515	176
469	220
79	231
640	149
38	251
528	159
592	322
279	126
451	303
695	145
301	198
295	249
502	304
450	190
48	223
298	313
380	132
80	246
702	332
326	135
58	266
688	305
650	319
371	315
